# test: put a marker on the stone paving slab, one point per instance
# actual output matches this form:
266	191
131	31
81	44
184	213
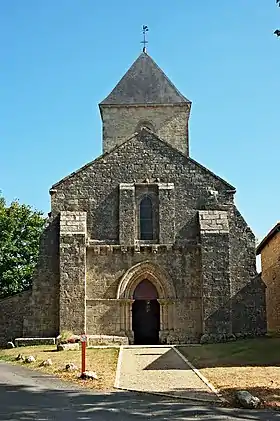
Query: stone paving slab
160	370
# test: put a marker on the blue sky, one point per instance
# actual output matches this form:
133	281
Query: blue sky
59	58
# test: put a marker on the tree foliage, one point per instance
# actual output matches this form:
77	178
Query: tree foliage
277	31
20	230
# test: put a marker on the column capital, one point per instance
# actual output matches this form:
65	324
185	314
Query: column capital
166	301
127	300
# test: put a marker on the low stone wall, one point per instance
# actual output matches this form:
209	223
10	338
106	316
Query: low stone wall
94	340
34	341
13	310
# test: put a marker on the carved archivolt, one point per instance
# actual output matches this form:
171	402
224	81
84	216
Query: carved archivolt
141	271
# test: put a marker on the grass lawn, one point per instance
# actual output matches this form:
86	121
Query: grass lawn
102	361
251	364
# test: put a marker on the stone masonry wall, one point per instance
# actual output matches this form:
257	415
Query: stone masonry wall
214	237
107	264
12	313
242	251
270	260
72	272
95	189
168	122
127	214
166	213
249	309
42	318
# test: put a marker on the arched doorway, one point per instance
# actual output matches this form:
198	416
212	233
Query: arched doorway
145	314
164	294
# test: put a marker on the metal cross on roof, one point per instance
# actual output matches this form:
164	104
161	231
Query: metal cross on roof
145	42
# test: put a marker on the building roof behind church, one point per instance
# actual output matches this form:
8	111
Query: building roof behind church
144	83
268	238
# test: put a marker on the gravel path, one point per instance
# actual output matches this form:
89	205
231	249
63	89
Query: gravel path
160	370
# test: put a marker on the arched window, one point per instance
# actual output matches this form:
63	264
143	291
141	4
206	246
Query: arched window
144	123
146	219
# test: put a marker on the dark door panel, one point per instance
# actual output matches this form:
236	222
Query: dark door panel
146	322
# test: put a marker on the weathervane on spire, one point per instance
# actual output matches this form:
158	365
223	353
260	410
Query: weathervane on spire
144	29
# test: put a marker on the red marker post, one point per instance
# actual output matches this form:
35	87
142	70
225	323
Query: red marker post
84	346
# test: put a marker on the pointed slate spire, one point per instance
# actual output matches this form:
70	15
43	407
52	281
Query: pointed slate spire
144	83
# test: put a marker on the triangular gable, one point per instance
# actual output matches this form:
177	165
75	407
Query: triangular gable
229	186
92	162
149	132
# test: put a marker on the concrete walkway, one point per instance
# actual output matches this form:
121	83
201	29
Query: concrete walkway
161	370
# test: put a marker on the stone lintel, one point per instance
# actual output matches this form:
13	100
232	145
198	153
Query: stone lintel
165	186
213	231
127	186
161	186
147	184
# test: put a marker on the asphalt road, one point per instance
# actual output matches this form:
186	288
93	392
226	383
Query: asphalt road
28	395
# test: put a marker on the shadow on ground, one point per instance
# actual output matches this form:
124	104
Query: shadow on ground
256	352
167	361
22	403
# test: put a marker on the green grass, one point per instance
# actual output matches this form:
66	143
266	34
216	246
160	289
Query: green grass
248	352
102	361
7	358
251	364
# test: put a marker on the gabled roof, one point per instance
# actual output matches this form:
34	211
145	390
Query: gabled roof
268	237
144	83
150	132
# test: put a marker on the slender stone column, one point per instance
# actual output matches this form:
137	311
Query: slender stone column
130	302
127	305
122	316
167	312
127	314
171	314
163	314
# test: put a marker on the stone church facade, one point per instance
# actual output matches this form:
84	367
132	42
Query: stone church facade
143	242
